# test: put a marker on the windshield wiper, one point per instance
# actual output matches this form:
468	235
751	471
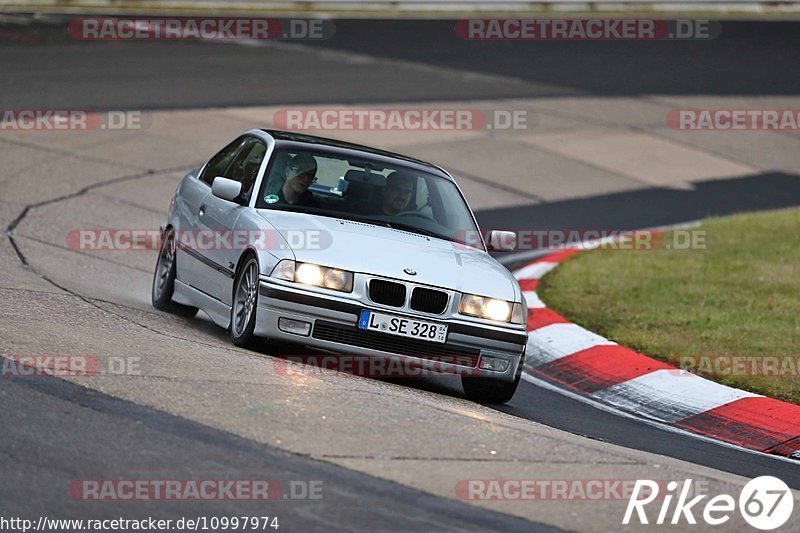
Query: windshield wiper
345	216
290	208
415	229
397	225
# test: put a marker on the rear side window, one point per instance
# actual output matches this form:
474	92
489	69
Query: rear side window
219	164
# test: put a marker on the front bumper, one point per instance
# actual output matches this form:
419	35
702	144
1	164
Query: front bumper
334	330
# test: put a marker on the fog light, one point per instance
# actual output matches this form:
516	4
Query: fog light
494	364
296	327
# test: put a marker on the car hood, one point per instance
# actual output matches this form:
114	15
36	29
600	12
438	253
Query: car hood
361	247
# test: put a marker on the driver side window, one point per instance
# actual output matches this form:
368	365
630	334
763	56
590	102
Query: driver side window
220	162
246	165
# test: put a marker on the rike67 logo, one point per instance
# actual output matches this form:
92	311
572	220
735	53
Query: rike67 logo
766	503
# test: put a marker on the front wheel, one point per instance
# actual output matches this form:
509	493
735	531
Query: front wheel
487	390
245	303
164	279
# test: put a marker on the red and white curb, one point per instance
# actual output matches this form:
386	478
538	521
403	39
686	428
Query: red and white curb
592	366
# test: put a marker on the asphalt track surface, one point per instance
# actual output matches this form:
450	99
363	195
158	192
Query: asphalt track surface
93	433
55	430
48	66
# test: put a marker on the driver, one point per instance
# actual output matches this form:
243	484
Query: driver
301	172
397	193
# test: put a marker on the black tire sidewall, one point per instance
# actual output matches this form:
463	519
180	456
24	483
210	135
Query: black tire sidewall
164	301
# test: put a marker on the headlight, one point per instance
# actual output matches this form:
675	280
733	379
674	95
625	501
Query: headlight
499	310
491	309
336	279
316	275
308	274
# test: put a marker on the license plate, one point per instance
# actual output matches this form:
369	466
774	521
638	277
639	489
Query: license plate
402	326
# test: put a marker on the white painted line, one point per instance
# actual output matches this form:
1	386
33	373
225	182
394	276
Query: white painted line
535	271
559	340
670	395
532	300
591	402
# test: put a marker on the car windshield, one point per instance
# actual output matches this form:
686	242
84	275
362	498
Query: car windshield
370	191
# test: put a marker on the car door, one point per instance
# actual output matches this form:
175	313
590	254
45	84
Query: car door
192	264
220	216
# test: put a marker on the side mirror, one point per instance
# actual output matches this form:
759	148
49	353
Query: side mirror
226	189
501	241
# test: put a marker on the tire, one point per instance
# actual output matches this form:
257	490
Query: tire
164	279
244	303
487	390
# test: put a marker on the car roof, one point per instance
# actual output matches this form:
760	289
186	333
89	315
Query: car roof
296	140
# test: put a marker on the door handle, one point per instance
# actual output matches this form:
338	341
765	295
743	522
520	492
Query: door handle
202	210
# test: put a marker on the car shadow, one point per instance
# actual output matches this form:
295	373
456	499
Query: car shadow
302	361
290	354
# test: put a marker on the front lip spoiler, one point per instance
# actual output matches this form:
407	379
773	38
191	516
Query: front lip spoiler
277	293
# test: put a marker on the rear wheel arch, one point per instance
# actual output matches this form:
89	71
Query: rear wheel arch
164	276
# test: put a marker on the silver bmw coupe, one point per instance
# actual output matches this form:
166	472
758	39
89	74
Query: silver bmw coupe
343	249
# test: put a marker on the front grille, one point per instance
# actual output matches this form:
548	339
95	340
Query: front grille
373	340
428	300
387	292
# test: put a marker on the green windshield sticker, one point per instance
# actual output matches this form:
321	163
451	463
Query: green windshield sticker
271	198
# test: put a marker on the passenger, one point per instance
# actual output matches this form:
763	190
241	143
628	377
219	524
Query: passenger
397	193
301	172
